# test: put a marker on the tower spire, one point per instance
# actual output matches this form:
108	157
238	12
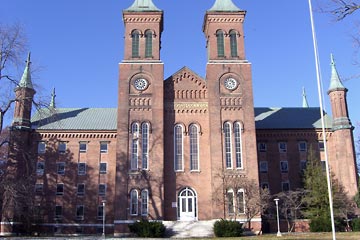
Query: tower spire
25	81
335	82
305	103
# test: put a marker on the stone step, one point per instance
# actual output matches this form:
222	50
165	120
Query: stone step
189	229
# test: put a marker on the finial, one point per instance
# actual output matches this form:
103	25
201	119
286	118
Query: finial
25	81
305	103
52	102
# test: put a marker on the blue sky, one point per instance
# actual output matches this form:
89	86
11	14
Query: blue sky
76	47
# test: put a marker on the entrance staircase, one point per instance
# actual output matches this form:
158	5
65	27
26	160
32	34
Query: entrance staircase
191	229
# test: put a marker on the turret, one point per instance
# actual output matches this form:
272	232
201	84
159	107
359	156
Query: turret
337	93
24	95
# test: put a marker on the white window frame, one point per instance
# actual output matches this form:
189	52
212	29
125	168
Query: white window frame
80	147
145	135
242	191
102	189
101	171
228	145
262	146
264	166
134	202
41	147
40	168
104	149
178	148
79	193
284	166
62	146
238	145
144	202
302	146
60	168
58	187
134	158
282	147
230	202
83	172
194	147
82	213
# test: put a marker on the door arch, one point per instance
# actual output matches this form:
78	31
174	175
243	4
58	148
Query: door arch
187	205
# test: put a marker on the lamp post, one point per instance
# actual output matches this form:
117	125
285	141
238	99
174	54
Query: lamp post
277	216
103	205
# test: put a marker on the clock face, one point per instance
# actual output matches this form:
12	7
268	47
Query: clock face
231	83
141	84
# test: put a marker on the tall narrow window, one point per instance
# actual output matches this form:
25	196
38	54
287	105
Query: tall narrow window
230	201
238	130
194	147
220	43
148	43
134	146
135	43
134	202
178	148
233	43
240	201
145	145
227	140
144	202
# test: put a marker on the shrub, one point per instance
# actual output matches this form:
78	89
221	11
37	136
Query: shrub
355	224
227	228
323	224
148	229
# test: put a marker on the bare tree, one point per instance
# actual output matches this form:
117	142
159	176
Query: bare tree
291	204
340	9
241	197
12	48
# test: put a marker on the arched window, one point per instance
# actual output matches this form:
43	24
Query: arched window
220	43
145	145
135	35
134	202
227	146
134	146
230	201
148	43
238	144
233	43
194	147
240	201
178	148
144	202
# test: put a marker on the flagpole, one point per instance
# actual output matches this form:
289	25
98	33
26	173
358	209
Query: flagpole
318	76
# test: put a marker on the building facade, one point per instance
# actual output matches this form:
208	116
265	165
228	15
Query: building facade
169	148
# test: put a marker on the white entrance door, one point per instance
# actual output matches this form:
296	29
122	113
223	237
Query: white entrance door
187	205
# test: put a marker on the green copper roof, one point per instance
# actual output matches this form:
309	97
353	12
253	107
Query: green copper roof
92	119
224	6
335	82
25	81
290	118
75	119
305	103
143	6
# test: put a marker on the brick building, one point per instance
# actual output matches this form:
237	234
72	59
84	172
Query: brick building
162	154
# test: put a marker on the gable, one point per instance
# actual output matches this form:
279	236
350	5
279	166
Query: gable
185	84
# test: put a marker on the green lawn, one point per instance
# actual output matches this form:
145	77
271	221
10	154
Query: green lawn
308	236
